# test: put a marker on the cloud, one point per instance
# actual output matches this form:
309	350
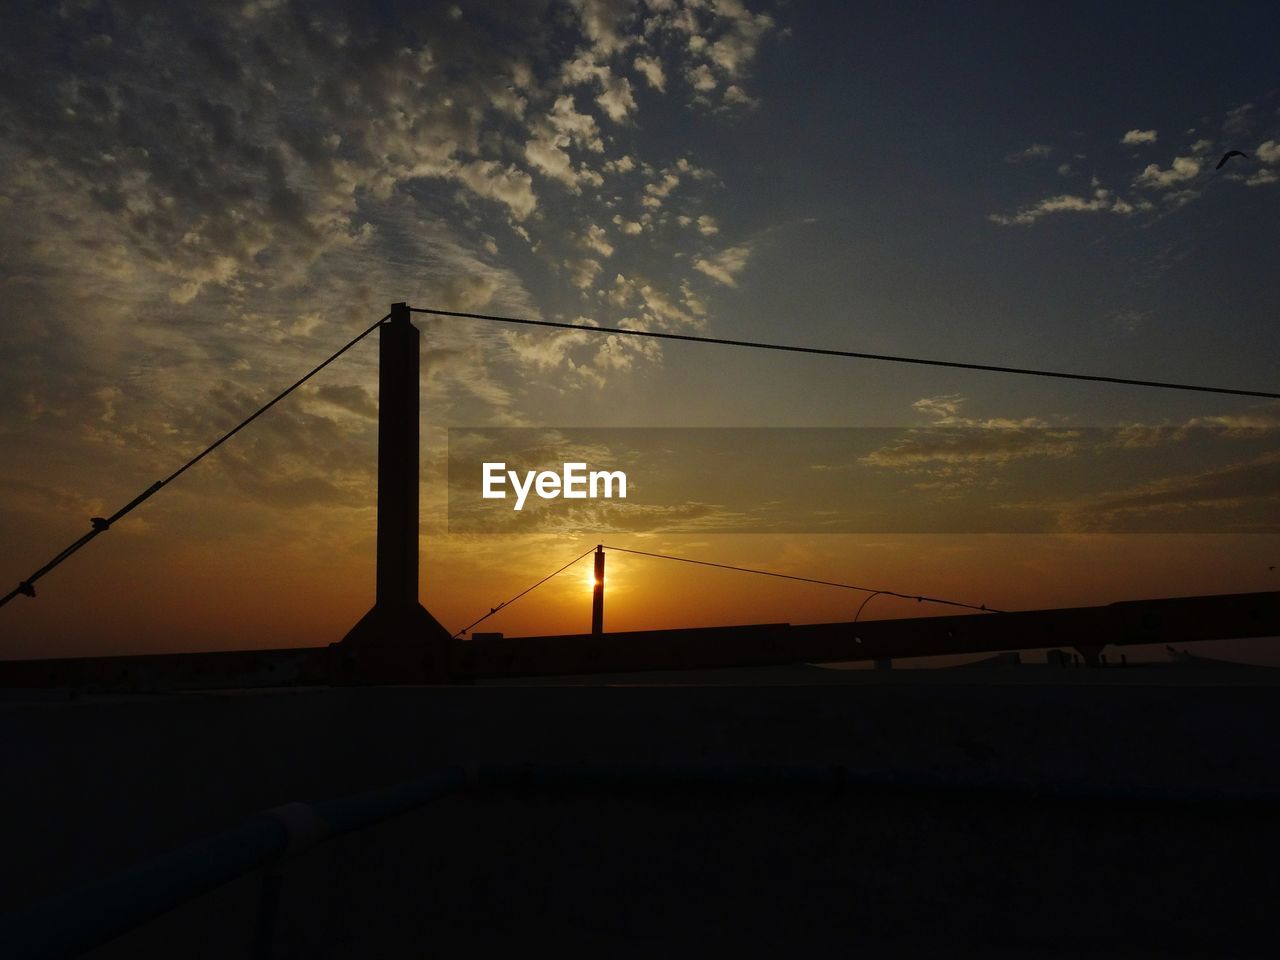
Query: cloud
736	97
737	47
953	440
943	409
661	188
1235	485
611	352
466	289
725	266
691	300
1034	151
597	240
721	40
493	181
546	152
1258	421
582	273
222	170
546	350
1268	151
578	128
1179	183
1182	170
561	128
653	306
295	457
973	445
1102	201
651	69
701	78
293	173
615	97
1239	120
630	227
1251	424
604	22
351	398
665	310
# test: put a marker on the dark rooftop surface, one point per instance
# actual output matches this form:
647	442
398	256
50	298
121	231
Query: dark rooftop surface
992	810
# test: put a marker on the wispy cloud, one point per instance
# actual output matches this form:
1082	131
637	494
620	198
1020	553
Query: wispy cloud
292	176
1184	179
953	439
725	266
1034	151
1102	201
1239	120
1202	496
1182	170
1136	137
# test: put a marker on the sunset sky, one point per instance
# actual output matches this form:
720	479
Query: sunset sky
198	202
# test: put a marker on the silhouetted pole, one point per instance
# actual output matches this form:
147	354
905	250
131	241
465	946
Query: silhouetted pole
397	641
398	344
597	595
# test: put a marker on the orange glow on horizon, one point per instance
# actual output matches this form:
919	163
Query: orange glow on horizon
147	593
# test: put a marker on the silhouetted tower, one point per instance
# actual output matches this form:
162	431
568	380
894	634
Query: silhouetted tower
397	640
399	342
597	594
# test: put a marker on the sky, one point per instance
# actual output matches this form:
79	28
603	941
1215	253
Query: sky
198	202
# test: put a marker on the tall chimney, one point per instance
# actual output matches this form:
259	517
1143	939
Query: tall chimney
397	641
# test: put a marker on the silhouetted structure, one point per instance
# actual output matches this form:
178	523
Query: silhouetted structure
1087	629
398	640
597	595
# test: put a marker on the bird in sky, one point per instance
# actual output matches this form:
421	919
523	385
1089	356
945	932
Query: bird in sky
1228	155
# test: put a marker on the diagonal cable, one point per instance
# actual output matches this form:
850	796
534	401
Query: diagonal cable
873	591
102	524
507	603
821	351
